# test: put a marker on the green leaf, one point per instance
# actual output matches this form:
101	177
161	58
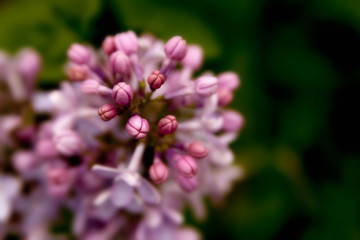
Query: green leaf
34	24
167	20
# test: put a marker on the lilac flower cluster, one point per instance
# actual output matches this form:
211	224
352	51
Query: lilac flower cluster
125	145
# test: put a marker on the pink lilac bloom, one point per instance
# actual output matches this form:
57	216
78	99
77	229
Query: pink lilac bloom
128	142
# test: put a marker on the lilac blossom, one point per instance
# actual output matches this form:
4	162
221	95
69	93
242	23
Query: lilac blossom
135	97
9	189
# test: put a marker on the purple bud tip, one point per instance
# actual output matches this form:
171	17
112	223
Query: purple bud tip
167	125
158	172
108	45
90	86
68	143
107	112
186	166
120	63
122	94
137	127
225	96
193	58
229	80
205	86
176	48
28	64
197	150
77	73
126	42
78	54
156	80
232	121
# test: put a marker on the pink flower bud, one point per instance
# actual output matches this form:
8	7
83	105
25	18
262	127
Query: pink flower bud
78	54
156	80
24	161
120	63
158	171
108	45
193	58
187	184
167	125
186	166
229	80
137	127
68	143
197	150
232	121
28	64
205	86
126	42
90	86
225	96
122	94
77	73
176	48
107	112
45	148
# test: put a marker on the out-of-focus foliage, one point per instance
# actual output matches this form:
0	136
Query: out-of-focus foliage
48	26
300	68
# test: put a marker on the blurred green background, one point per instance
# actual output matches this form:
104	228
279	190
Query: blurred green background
300	69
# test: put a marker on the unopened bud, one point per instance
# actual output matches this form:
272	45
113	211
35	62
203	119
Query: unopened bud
107	112
78	54
197	150
90	86
187	184
120	63
156	80
225	96
68	143
77	73
28	64
186	166
193	58
232	121
108	45
126	42
122	94
176	48
167	125
205	86
158	172
137	127
45	148
229	80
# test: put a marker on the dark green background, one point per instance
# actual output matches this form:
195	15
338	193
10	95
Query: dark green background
299	62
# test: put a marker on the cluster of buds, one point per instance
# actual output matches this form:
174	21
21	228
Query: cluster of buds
130	141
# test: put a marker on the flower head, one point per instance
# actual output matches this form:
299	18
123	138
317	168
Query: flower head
125	145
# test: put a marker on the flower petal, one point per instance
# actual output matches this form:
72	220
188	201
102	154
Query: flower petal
4	209
147	192
105	172
121	194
